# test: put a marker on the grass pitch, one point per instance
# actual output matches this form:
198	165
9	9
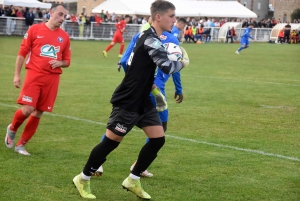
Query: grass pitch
235	136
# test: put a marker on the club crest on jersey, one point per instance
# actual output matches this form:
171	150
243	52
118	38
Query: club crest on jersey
49	51
60	39
163	37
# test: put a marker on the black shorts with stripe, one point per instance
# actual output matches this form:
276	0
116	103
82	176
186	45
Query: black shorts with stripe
122	121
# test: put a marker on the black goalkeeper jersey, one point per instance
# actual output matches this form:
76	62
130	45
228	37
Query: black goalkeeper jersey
133	92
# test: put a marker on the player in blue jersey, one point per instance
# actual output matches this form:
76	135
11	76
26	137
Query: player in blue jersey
244	38
160	79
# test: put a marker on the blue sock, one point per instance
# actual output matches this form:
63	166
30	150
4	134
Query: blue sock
102	138
147	140
240	49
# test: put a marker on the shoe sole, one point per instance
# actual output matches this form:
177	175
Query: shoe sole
97	174
135	194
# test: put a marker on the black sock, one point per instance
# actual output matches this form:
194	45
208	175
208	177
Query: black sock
147	155
98	155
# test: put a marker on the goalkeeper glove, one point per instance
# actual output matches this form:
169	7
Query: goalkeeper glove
185	57
161	102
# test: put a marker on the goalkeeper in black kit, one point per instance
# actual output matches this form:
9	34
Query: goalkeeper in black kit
132	104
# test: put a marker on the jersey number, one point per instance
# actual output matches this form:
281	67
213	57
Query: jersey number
130	59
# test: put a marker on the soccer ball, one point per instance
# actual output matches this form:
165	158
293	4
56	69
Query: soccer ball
174	51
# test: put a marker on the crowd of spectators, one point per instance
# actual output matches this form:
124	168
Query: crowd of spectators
78	25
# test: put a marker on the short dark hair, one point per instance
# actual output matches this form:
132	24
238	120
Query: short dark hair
161	7
54	5
251	24
182	20
126	16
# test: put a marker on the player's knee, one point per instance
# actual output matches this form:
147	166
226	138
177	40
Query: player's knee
27	110
157	143
37	113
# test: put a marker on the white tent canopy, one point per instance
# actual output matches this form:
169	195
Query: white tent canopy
140	7
183	8
26	3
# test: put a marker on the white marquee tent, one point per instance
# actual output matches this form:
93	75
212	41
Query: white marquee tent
26	3
140	7
183	8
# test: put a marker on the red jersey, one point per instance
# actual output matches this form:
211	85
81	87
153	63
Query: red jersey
121	26
43	45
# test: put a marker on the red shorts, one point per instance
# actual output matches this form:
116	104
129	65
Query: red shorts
39	90
118	38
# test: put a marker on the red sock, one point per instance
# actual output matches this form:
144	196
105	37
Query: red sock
29	130
17	121
108	47
122	48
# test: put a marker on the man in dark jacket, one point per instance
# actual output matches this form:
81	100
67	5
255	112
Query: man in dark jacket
29	18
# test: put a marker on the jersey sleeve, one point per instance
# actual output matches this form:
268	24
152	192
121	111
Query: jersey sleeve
159	56
66	54
177	82
26	42
128	51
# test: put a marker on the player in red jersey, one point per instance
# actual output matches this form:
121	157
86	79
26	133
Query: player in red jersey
118	36
48	50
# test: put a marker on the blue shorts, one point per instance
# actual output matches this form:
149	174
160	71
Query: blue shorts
245	42
164	115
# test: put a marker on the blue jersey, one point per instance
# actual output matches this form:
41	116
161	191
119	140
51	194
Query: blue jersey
246	33
161	78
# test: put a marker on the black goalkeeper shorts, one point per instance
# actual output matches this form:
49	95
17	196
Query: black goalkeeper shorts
122	121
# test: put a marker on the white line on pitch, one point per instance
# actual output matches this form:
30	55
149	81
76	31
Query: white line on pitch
175	137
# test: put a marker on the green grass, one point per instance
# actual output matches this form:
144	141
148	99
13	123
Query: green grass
232	104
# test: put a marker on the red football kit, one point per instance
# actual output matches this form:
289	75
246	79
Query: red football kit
41	82
118	36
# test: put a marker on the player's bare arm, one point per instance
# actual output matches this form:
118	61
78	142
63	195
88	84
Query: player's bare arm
18	67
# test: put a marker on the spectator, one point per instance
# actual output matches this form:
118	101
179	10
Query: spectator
233	33
269	23
10	23
245	23
280	36
144	21
113	17
39	13
287	32
188	34
29	17
294	37
2	11
19	21
81	22
274	22
44	15
134	19
229	35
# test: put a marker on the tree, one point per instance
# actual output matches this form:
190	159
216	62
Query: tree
295	14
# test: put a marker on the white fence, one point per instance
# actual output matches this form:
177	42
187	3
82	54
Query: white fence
105	31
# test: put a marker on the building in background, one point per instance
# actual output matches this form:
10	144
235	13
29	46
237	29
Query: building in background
86	6
284	8
70	4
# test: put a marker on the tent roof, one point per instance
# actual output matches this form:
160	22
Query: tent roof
27	3
183	8
140	7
